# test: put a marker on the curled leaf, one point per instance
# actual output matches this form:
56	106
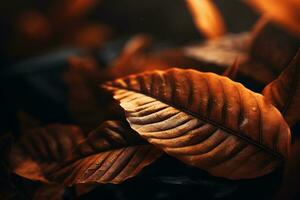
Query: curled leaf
111	153
205	120
284	92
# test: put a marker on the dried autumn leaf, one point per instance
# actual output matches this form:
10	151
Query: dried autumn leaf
111	153
284	92
273	48
207	18
222	52
266	50
205	120
51	144
284	12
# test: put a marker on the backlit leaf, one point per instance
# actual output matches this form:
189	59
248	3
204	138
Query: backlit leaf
205	120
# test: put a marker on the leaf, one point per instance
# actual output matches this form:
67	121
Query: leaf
216	55
284	92
111	153
205	120
272	47
207	18
51	144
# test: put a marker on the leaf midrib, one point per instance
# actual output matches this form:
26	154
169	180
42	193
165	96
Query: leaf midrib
207	120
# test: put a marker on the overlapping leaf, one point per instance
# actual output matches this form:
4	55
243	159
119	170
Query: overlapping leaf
284	92
215	55
205	120
111	153
51	144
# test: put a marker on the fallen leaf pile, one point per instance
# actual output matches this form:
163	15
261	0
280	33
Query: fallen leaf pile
185	102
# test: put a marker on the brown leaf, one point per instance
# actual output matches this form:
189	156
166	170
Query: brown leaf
265	51
111	153
205	120
273	48
51	144
222	51
284	92
207	18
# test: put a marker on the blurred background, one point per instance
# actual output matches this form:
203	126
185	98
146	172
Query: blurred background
37	37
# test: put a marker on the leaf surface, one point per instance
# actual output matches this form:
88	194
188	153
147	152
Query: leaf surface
50	144
205	120
111	153
284	92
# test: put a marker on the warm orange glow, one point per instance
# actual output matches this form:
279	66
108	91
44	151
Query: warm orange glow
284	12
207	18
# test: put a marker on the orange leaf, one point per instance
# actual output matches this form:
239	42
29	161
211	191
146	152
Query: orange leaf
111	153
205	120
